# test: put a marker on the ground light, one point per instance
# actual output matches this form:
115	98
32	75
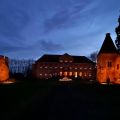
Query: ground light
9	81
65	79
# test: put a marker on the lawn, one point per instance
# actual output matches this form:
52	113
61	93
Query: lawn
59	100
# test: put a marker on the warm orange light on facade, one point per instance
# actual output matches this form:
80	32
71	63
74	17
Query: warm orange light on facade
4	70
108	61
70	73
65	74
75	74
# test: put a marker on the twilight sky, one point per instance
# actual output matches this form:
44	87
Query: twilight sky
31	28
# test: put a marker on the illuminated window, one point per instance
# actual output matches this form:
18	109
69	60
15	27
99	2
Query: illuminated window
75	74
75	68
60	73
40	74
65	73
61	67
66	61
70	73
41	67
80	67
61	60
90	75
55	67
46	67
80	74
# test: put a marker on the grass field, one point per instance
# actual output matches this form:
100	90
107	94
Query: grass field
54	100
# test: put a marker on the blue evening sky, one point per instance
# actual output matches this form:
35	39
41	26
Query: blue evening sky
31	28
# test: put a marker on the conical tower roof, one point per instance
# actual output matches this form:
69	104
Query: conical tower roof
108	45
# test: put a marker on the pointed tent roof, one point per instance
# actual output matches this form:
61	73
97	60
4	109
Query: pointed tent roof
108	45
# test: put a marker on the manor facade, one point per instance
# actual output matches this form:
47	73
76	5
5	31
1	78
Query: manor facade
65	66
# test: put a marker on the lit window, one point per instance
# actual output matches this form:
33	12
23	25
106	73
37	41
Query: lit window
61	60
70	73
75	74
40	74
65	73
75	68
80	74
46	67
90	75
80	67
60	73
61	67
41	67
66	61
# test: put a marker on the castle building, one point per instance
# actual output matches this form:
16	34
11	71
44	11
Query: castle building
65	66
4	69
108	59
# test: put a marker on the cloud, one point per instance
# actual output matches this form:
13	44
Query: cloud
12	21
68	17
8	48
50	46
58	20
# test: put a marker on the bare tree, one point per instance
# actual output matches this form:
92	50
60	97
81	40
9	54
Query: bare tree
93	56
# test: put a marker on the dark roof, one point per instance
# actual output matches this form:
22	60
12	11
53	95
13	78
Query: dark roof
55	58
81	59
49	58
108	45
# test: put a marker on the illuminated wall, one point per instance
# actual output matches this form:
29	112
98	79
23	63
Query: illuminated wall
4	70
65	66
106	67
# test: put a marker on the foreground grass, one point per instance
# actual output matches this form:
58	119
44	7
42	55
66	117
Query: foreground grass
15	97
22	96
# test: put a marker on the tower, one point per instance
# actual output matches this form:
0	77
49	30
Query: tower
106	60
4	69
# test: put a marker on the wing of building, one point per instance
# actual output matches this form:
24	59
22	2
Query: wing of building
64	65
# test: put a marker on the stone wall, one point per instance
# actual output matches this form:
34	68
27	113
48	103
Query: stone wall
4	69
